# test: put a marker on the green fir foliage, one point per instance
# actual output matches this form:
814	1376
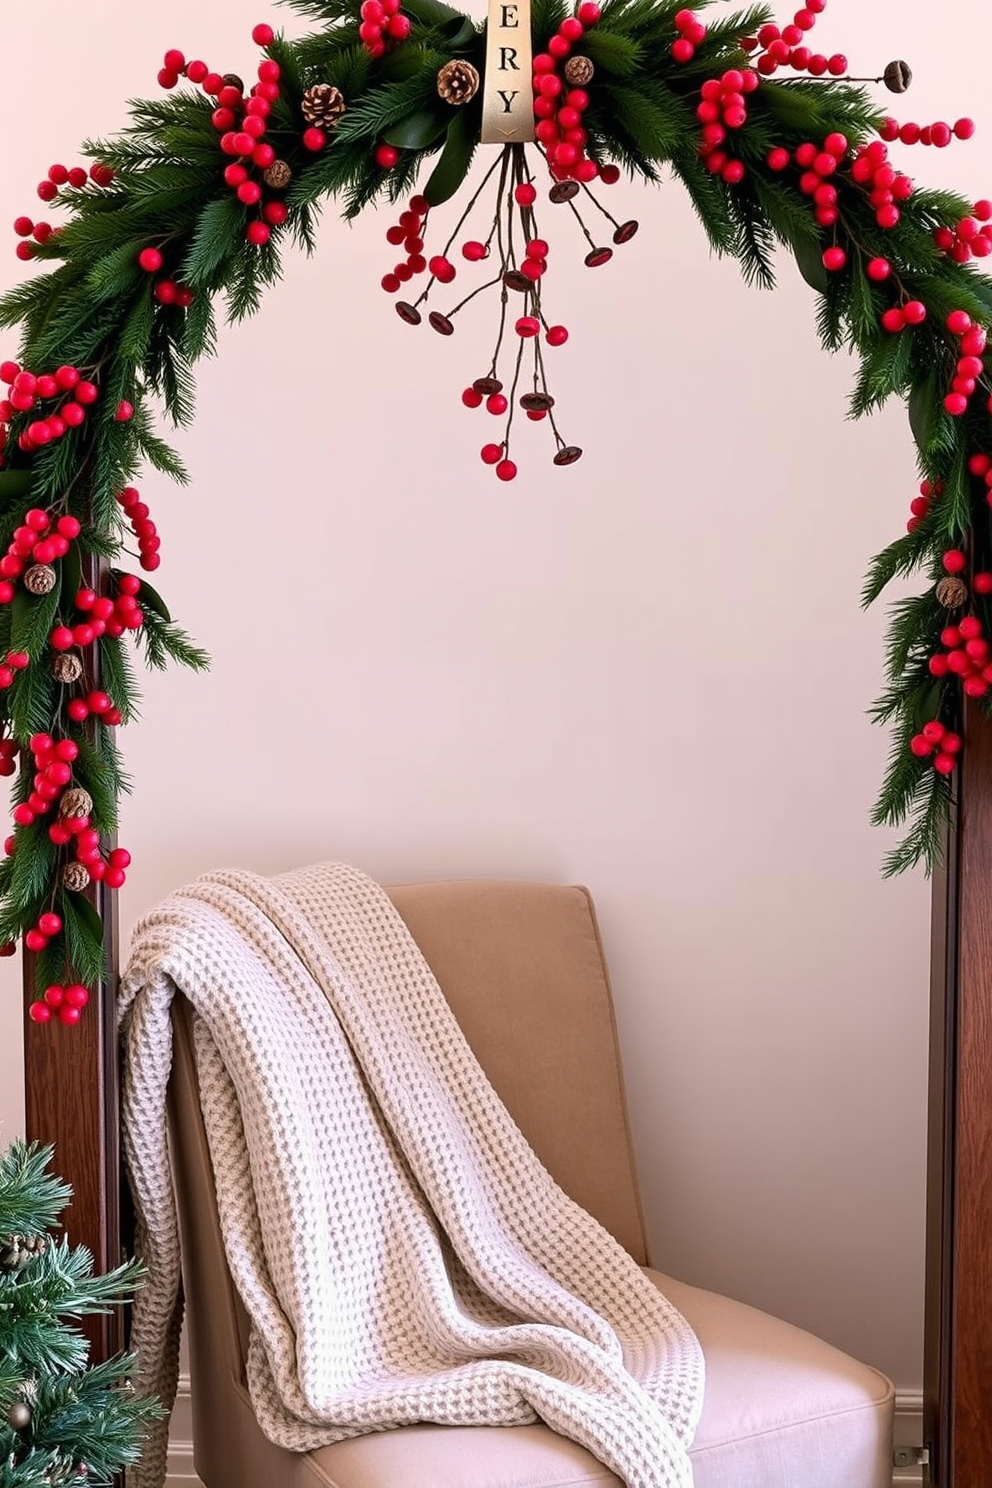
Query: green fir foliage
58	1414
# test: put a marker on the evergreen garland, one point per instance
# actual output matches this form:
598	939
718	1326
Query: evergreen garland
159	207
61	1420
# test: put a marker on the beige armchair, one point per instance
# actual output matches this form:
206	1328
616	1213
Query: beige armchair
522	968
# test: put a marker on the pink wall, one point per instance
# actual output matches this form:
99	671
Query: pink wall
649	673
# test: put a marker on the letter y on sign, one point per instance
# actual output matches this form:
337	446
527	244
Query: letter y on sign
507	104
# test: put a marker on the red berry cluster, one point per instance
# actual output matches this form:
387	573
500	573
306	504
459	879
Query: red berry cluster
785	47
75	177
167	291
818	164
966	655
241	124
106	615
381	23
920	505
110	870
53	763
35	541
939	742
886	186
95	704
558	109
143	528
939	134
66	1002
970	364
409	232
898	317
692	33
69	392
971	237
723	106
47	927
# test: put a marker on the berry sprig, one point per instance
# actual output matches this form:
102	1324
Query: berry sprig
142	526
692	33
71	395
382	22
938	744
938	134
106	614
242	125
409	232
970	365
970	237
558	107
36	544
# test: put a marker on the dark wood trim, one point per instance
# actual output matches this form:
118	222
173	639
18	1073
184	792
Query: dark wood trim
958	1370
71	1099
72	1090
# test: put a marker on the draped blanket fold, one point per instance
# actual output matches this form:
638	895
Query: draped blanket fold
401	1252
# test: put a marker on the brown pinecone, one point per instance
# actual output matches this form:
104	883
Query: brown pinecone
457	82
66	668
75	877
17	1251
323	105
897	77
579	71
75	802
952	592
39	579
278	175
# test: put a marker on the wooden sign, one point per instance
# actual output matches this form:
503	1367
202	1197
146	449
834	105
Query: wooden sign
507	101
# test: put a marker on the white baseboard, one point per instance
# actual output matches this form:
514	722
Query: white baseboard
909	1432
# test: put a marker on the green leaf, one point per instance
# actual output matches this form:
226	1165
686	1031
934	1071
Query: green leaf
459	33
809	257
430	12
452	168
923	412
150	599
418	130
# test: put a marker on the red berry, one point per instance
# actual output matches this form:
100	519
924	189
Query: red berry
76	995
982	583
386	156
263	35
557	335
491	454
39	1012
124	411
474	251
893	320
528	325
778	159
258	233
506	470
496	403
956	404
69	1015
315	139
471	398
150	260
954	561
915	312
525	194
834	259
589	13
878	269
49	924
442	268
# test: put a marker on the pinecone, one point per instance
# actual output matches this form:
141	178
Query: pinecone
457	82
897	77
66	668
75	802
18	1416
39	579
75	877
323	105
579	71
18	1251
278	176
952	592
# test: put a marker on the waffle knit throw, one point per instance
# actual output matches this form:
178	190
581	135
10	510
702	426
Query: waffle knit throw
401	1252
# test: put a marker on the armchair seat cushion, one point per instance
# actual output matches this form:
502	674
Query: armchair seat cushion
782	1410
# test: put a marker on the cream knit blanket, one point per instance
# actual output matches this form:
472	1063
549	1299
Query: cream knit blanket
401	1252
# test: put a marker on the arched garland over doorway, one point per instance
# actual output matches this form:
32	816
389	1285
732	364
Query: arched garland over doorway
200	192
